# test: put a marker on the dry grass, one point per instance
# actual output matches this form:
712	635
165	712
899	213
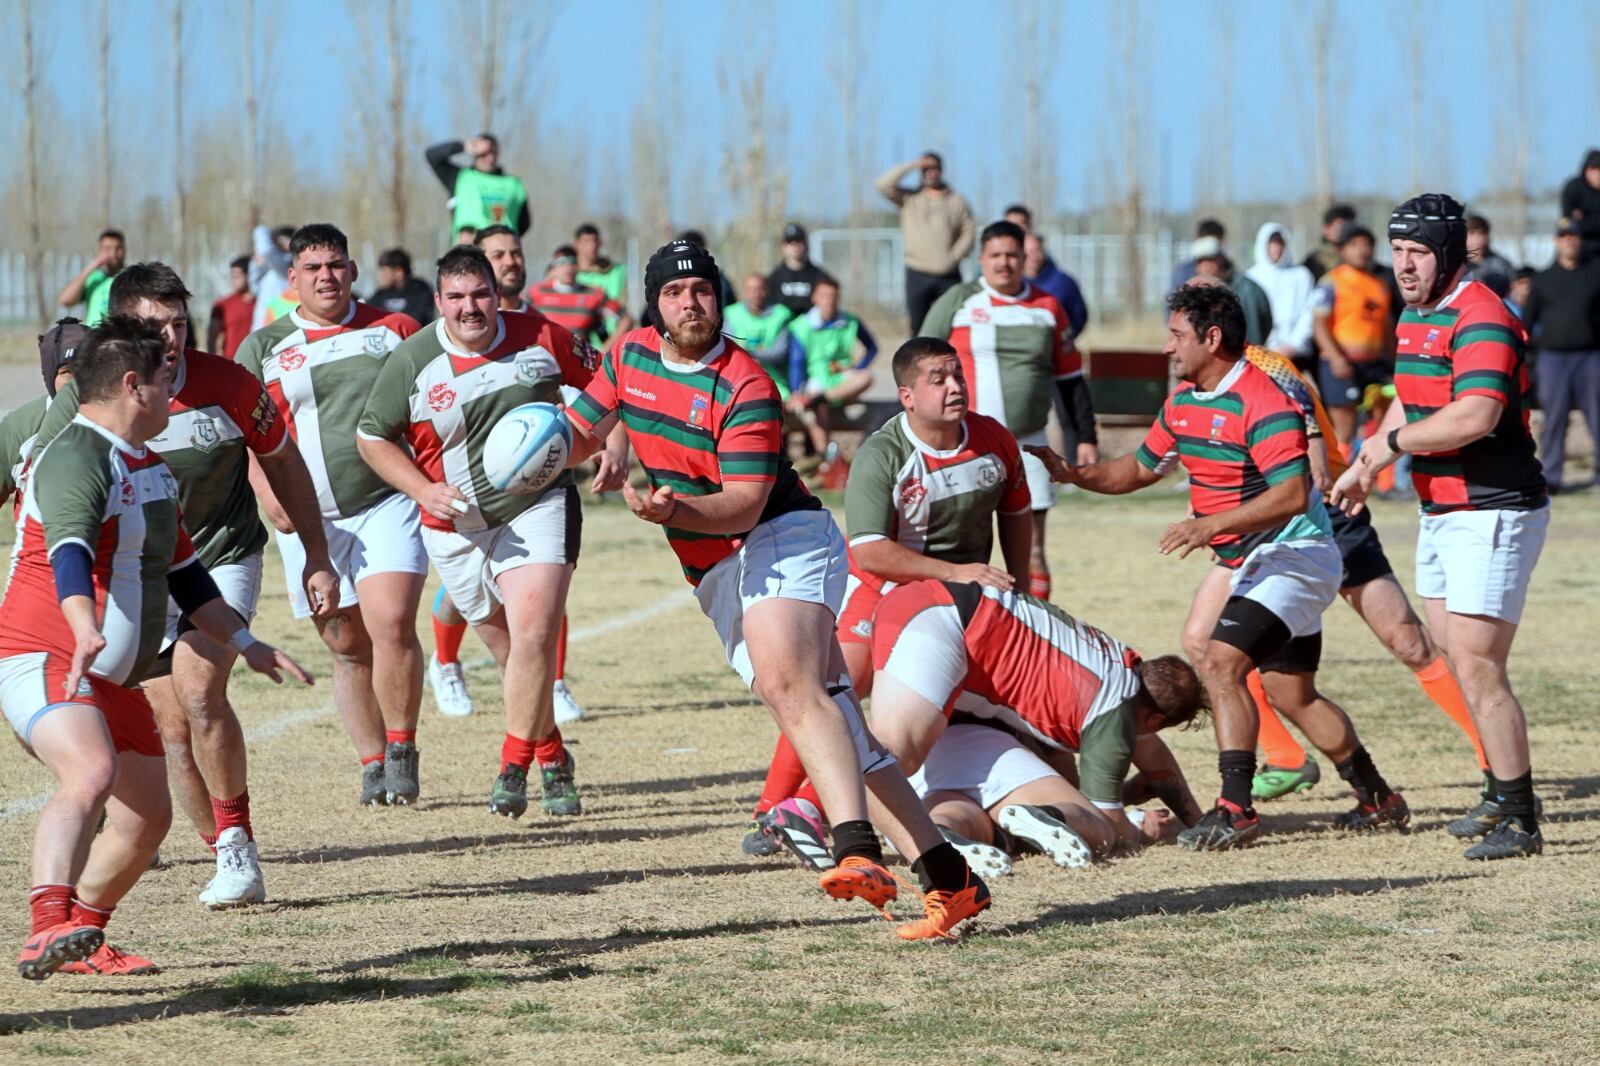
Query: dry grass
637	932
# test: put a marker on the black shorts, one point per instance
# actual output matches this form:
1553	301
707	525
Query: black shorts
1346	392
1260	634
1359	547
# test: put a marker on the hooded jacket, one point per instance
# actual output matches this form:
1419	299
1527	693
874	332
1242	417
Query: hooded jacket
1288	286
1580	202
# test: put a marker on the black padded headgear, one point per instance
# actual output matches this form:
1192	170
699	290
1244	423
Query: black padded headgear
1439	222
673	260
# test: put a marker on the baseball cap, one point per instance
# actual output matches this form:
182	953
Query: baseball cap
1566	227
794	231
58	347
1205	248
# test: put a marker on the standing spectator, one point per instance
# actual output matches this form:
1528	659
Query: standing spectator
230	316
1325	256
1521	288
1208	229
1483	262
1210	261
594	268
937	229
1580	202
1563	315
399	291
92	286
762	329
269	274
1350	319
1040	271
481	195
584	310
792	280
1288	286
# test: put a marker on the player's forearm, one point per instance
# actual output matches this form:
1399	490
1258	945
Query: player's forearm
80	614
1269	510
617	443
1016	545
290	481
218	621
585	442
1164	777
391	462
1114	478
1326	345
734	510
1455	425
895	562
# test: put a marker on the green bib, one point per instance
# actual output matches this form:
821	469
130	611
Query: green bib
484	200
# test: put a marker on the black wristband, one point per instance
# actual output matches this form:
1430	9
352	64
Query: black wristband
1394	441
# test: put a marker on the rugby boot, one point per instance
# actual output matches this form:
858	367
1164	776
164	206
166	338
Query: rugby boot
48	950
558	791
510	794
759	839
374	787
798	824
1275	781
1221	828
859	878
1043	832
945	910
1392	811
111	962
1508	840
987	859
400	774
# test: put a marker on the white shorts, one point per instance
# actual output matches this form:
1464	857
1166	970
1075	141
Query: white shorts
1296	580
1480	562
1040	487
549	532
985	765
796	556
386	538
929	656
240	585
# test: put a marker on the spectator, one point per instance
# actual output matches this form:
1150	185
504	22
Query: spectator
825	372
595	269
269	275
1210	261
1208	228
1350	320
1325	256
1521	288
230	316
503	248
1288	286
399	291
762	328
92	286
1580	202
1563	314
936	228
481	195
1484	263
585	310
1041	271
792	280
694	236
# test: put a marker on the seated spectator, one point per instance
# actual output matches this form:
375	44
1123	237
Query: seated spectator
762	329
398	290
825	372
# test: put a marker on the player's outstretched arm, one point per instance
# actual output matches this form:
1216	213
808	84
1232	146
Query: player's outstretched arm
1113	478
217	620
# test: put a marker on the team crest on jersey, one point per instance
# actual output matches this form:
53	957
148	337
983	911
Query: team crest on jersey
1217	422
1427	342
912	493
441	397
980	316
129	496
527	371
699	409
203	434
291	358
989	473
372	344
863	628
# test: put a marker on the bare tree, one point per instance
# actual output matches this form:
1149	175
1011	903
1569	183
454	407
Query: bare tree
1414	73
652	176
1037	31
180	179
385	122
255	75
399	45
512	35
102	78
1519	120
756	180
1320	26
1130	83
847	71
32	49
1221	179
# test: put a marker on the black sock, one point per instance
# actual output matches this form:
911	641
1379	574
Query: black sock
856	838
1516	799
1054	812
1006	842
1237	767
941	868
1363	776
1488	790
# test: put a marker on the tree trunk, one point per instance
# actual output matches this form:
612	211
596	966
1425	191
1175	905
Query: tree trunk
180	177
30	159
102	70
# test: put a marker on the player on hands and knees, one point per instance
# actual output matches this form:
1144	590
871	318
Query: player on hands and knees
1243	444
505	559
220	416
103	545
767	563
925	495
318	362
1460	377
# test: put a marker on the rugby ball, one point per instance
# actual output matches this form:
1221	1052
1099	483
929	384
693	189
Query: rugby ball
527	449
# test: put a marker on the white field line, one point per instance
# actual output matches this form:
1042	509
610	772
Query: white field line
276	727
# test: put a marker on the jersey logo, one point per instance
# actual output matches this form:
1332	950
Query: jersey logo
527	371
203	434
699	408
1432	336
586	354
980	316
989	473
291	359
1217	422
863	628
264	413
373	345
442	397
129	496
912	493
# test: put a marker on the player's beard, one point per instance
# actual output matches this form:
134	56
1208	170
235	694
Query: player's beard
512	282
696	336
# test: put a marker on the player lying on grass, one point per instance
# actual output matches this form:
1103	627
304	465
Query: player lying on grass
768	566
103	546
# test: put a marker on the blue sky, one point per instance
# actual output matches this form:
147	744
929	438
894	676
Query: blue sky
939	70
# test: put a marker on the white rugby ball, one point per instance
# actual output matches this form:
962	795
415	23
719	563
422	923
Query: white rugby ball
527	449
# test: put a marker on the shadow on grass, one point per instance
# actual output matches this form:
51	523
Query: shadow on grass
1214	899
537	835
683	784
428	971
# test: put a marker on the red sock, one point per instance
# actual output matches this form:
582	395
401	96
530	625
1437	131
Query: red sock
83	914
784	776
398	736
514	751
447	638
561	650
210	842
1039	584
550	751
809	793
233	814
50	905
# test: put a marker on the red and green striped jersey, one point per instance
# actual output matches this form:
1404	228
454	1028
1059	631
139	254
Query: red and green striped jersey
583	309
695	428
1470	345
1236	441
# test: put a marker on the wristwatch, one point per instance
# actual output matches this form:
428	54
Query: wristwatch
1394	441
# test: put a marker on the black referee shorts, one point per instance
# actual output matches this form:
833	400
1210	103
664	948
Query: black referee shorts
1359	548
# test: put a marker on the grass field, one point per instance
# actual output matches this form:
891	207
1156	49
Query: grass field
637	931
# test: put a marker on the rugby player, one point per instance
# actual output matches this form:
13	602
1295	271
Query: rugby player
1460	377
767	564
221	416
58	347
1014	339
585	310
318	363
925	495
103	545
505	559
503	248
1243	444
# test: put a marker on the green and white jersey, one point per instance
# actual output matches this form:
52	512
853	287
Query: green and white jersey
18	431
765	336
936	503
96	297
442	401
320	378
612	280
120	504
219	412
